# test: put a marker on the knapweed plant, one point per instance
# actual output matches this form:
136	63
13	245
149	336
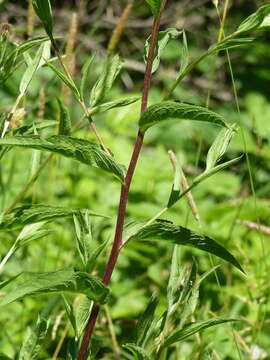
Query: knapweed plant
157	332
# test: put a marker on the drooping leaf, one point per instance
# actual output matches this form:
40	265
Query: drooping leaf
60	281
138	352
106	79
254	21
219	147
145	321
85	151
113	104
168	232
154	5
33	340
230	44
44	12
192	329
171	110
67	80
163	38
31	214
64	119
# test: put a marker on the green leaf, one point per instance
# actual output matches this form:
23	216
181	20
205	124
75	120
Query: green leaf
176	188
230	44
85	151
64	119
91	263
163	38
33	340
164	231
254	21
219	147
60	281
44	12
70	313
31	214
145	321
113	104
138	352
82	313
154	5
85	71
176	273
66	80
184	55
108	74
6	282
171	110
192	329
83	235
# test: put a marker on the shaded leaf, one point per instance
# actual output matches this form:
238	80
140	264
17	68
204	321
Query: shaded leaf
83	235
85	151
44	12
85	71
108	74
254	21
138	352
113	104
171	110
30	214
70	313
60	281
184	55
82	313
163	38
154	5
146	321
161	231
192	329
230	44
64	119
91	263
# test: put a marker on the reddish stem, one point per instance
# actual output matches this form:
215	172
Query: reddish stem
124	191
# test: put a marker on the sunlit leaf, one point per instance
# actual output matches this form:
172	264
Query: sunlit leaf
85	151
171	110
60	281
168	232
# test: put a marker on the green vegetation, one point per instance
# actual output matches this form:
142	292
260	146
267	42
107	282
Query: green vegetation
112	159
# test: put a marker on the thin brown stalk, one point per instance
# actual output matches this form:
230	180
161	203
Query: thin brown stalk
254	226
124	190
30	19
116	347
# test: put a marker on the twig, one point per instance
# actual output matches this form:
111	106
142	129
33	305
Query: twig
254	226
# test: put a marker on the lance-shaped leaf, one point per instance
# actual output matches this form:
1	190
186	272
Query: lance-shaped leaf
44	12
191	329
168	232
145	321
163	38
109	72
60	281
64	119
230	44
85	151
219	147
154	5
113	104
138	352
184	55
254	21
31	214
85	71
171	110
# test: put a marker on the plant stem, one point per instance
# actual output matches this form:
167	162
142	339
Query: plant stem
117	243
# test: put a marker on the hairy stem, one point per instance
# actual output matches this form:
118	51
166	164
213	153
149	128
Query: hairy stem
117	243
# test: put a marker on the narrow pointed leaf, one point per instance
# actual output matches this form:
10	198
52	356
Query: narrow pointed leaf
60	281
44	12
113	104
230	44
31	214
192	329
85	151
163	38
85	72
184	55
64	119
171	110
83	235
145	321
168	232
254	21
138	352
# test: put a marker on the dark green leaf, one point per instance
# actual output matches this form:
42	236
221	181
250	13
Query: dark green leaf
146	321
70	313
171	110
163	38
44	12
64	120
230	44
30	214
61	281
161	231
154	5
138	352
254	21
85	151
192	329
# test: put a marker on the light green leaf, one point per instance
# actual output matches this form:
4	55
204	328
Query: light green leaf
85	151
113	104
64	119
171	110
176	182
33	340
219	147
192	329
106	79
176	273
163	38
31	214
92	261
66	80
138	352
168	232
82	313
60	281
254	21
230	44
154	5
184	55
85	71
83	235
44	12
145	321
70	313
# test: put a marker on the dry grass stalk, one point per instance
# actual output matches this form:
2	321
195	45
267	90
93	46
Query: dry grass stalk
254	226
